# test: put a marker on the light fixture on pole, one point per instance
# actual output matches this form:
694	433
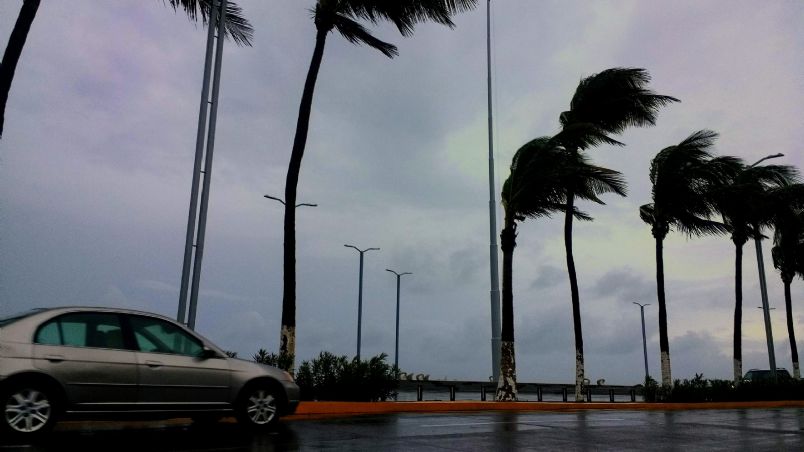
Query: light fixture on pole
644	339
396	348
360	294
763	285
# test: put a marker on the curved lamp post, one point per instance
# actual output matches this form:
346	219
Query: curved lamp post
396	348
644	340
360	294
764	287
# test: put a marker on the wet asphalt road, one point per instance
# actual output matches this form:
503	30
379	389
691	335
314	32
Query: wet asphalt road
732	430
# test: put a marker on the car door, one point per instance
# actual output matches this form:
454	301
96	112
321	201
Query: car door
172	369
87	353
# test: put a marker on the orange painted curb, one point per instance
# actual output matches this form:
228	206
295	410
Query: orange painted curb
326	409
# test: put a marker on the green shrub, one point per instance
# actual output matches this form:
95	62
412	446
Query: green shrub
272	359
699	389
330	377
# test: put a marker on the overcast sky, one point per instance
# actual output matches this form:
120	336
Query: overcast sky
96	165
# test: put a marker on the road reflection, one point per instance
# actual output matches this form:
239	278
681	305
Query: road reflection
218	437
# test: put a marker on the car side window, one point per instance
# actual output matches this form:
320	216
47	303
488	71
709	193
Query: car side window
158	336
83	329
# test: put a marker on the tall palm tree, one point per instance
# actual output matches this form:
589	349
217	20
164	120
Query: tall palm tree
603	104
786	252
683	178
541	170
237	27
342	16
743	204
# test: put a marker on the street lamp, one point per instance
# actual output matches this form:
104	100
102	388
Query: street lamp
763	285
360	294
644	340
396	348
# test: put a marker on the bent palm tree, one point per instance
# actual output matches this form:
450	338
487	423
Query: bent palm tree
683	178
742	204
342	16
603	104
541	170
236	27
19	34
786	252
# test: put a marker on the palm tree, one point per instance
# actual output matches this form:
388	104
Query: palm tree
603	104
342	16
786	252
237	27
541	170
683	177
743	203
13	51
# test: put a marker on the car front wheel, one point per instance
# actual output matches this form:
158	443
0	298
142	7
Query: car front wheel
259	407
28	410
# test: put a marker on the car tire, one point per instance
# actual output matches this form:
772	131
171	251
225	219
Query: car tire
258	407
29	410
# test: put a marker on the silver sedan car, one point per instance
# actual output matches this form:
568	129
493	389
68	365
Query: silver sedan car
100	363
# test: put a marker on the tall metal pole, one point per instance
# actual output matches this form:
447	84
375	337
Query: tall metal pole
202	214
360	295
644	339
765	306
199	155
762	284
396	348
496	326
217	18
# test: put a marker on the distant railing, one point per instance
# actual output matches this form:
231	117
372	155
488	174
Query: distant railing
541	392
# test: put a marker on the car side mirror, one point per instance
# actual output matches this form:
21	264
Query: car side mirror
208	353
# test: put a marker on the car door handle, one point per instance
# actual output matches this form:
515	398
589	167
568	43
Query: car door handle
153	363
54	358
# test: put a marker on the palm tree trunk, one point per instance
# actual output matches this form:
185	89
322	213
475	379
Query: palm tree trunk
738	311
576	302
664	343
13	51
287	341
506	386
788	304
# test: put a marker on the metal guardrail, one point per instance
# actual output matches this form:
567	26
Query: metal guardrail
485	390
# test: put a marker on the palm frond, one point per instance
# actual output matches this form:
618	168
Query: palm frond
358	34
583	136
236	27
615	99
647	213
406	14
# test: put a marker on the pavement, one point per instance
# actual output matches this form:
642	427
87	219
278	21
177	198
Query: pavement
459	426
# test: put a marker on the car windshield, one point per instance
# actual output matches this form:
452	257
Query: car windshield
14	317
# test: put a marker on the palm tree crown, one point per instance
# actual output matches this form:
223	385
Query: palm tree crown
684	178
611	101
343	16
237	26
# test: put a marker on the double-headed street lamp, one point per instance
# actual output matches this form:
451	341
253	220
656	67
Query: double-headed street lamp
360	294
644	340
396	348
763	285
